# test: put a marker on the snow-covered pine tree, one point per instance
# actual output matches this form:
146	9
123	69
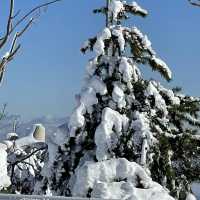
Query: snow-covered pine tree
122	119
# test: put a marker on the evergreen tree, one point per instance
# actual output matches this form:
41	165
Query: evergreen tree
122	119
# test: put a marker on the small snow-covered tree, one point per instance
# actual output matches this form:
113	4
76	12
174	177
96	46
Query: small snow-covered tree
25	158
126	129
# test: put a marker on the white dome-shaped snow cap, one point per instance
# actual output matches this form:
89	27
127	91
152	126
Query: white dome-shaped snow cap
36	136
39	132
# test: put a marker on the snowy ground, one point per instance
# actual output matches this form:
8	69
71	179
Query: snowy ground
196	190
22	197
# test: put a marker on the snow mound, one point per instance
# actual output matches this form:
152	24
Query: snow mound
116	179
4	179
190	196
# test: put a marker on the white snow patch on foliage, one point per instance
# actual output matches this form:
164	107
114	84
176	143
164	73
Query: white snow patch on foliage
146	42
144	39
91	66
142	132
108	132
170	94
77	119
99	44
105	34
98	85
86	100
88	97
118	96
137	32
4	179
118	32
137	8
99	47
116	179
129	71
159	101
115	7
163	65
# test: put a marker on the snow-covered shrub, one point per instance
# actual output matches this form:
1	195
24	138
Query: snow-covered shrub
22	160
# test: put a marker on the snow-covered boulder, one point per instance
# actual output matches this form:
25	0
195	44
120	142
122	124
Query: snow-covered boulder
116	179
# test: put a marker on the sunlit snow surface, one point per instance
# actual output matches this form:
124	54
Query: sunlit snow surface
196	190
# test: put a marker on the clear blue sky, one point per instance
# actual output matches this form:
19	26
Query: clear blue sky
48	71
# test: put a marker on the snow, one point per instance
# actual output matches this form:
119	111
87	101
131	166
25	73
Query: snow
143	38
174	99
37	135
115	7
137	32
99	47
4	179
99	44
98	85
159	101
190	196
118	96
108	132
129	71
118	32
12	136
105	34
137	8
116	179
161	64
88	97
146	42
196	189
91	66
77	119
86	100
142	132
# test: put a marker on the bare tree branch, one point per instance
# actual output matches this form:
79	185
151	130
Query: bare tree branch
9	23
11	27
32	12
